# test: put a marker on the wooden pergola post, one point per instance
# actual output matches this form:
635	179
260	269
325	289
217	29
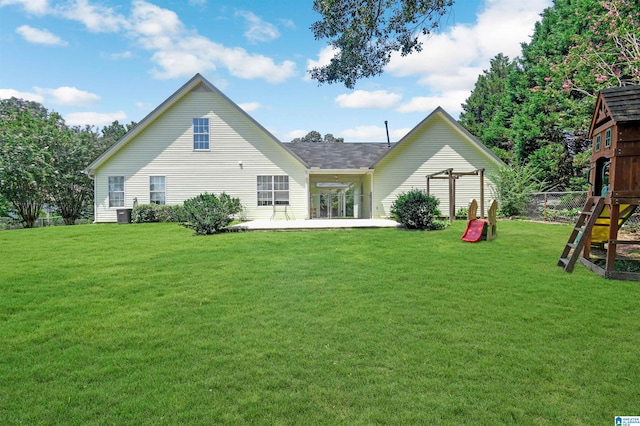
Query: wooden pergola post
481	172
451	176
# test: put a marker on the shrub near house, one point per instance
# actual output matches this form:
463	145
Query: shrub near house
208	214
417	210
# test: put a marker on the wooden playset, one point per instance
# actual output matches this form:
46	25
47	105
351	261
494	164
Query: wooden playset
614	178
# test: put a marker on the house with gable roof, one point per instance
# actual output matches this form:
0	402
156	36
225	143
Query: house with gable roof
198	140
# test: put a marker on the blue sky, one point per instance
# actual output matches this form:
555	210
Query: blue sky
99	61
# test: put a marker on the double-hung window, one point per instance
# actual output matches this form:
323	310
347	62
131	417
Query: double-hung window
273	190
200	134
157	189
116	191
598	143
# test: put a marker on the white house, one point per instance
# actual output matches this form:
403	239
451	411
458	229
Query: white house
198	140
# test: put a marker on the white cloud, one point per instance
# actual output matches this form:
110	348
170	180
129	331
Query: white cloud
154	24
296	134
66	95
182	53
176	51
497	34
365	99
94	118
373	133
144	105
34	35
250	106
38	7
365	133
324	57
258	30
451	62
95	18
29	96
288	23
127	54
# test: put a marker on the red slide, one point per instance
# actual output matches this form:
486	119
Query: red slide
473	234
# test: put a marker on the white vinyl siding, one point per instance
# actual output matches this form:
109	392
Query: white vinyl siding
436	146
116	191
157	189
241	152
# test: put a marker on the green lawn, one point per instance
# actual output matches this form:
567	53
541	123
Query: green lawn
147	324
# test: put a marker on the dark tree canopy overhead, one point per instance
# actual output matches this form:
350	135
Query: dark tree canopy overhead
366	32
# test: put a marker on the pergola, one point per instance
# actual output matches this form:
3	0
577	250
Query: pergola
452	176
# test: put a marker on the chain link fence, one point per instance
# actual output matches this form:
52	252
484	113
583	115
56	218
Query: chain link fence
564	207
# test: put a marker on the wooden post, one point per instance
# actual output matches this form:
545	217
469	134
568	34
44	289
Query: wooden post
428	179
481	193
613	235
452	197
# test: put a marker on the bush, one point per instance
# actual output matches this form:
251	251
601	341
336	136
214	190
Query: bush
145	213
513	187
208	214
166	213
417	210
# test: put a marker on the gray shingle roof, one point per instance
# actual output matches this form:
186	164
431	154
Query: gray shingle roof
623	103
347	155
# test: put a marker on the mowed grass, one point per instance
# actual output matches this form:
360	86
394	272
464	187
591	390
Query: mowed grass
147	324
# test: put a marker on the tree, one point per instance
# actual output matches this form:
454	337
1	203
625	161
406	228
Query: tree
27	132
606	54
315	137
71	192
364	34
548	95
329	138
5	206
483	114
113	133
513	186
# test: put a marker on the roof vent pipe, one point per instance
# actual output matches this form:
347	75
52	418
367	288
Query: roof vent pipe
386	125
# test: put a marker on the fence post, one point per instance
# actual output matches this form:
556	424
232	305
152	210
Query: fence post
544	210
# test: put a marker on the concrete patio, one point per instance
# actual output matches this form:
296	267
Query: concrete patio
287	225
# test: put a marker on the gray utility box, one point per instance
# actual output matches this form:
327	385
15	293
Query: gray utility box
124	215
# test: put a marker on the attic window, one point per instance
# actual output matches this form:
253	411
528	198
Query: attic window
201	134
598	143
607	139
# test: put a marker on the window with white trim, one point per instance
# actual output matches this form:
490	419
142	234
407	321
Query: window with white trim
273	190
201	134
157	189
116	191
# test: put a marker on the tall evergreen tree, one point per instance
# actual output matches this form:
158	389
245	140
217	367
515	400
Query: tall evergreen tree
483	111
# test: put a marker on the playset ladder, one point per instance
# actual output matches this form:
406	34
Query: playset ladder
578	238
